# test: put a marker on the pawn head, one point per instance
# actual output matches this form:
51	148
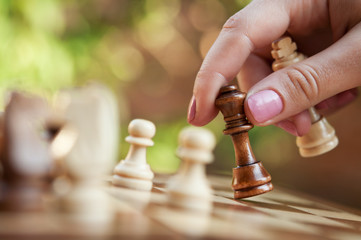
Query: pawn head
141	128
197	138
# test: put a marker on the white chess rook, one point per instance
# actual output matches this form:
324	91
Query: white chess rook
134	172
189	188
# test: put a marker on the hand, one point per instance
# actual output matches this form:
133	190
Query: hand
327	78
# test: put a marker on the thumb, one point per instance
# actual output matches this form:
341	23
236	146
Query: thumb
288	92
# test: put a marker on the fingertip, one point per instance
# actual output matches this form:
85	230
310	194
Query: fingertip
298	125
202	107
302	121
338	101
202	120
199	118
288	126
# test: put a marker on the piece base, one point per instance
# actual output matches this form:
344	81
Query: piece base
132	183
319	150
319	140
189	202
250	192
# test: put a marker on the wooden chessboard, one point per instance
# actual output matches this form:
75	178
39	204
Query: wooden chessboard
279	214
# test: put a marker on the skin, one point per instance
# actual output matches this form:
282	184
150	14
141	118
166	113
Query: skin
327	78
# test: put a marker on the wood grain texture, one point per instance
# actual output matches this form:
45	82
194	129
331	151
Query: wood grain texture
250	178
281	214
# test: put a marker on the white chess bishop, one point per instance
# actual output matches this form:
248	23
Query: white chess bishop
134	172
189	188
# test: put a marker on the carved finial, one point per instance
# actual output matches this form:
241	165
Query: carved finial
285	53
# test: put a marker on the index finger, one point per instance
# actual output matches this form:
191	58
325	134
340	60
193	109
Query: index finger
255	26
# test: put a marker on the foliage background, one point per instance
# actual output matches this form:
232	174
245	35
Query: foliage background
148	52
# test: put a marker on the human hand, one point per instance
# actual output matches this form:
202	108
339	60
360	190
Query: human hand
327	78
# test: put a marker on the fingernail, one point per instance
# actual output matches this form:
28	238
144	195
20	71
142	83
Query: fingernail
264	105
288	126
192	109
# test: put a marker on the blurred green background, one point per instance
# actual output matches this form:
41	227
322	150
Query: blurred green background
148	52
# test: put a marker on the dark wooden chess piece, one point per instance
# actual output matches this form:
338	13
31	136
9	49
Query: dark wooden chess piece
250	178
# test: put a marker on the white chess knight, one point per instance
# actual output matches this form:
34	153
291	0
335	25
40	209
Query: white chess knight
189	188
134	172
93	113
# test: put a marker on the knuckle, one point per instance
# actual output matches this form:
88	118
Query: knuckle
231	23
202	74
237	25
205	74
207	78
304	83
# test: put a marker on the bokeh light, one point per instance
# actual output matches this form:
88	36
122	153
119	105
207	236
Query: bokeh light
148	52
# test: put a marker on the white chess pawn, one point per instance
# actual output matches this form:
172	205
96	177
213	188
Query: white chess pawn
134	172
189	188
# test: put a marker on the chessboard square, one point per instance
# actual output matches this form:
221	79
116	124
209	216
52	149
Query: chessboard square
346	235
296	199
355	224
221	182
304	218
265	224
279	195
228	208
273	206
331	214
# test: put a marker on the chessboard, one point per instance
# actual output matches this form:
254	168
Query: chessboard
279	214
54	156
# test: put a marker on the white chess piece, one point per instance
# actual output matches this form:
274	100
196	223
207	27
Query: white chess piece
92	111
189	188
134	172
25	155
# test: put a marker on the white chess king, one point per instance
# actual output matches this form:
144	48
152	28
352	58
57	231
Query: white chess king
134	172
92	111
